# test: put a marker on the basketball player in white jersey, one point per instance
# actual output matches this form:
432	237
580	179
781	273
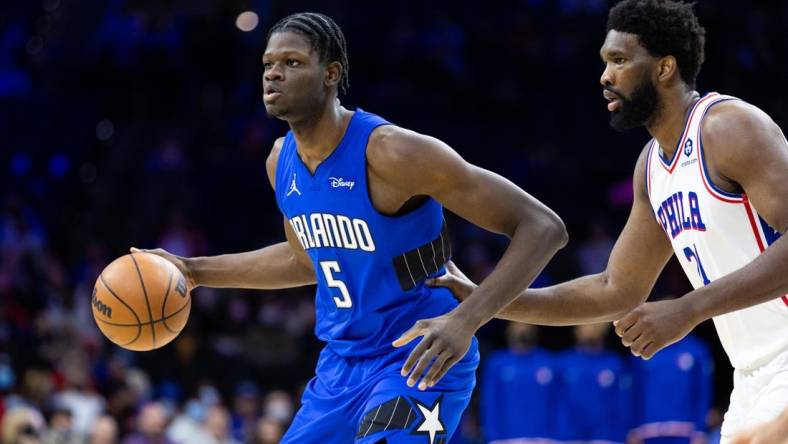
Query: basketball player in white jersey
710	186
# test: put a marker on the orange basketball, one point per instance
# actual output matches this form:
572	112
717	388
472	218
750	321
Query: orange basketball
141	302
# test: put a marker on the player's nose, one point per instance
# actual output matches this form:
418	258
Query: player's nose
274	73
607	76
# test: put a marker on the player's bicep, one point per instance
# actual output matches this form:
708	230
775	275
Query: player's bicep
490	201
482	197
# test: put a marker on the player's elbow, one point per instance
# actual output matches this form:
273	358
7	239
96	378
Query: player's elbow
562	235
617	301
553	230
624	307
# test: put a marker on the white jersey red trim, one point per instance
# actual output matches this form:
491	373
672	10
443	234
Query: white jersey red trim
714	233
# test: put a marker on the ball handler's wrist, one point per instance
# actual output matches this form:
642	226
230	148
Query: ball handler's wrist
191	271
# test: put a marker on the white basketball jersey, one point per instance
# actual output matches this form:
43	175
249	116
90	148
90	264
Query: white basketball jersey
714	233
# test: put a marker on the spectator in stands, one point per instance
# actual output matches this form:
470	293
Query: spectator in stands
104	431
61	428
672	393
595	393
151	424
518	388
268	431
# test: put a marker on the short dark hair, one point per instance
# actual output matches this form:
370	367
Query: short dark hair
324	36
664	27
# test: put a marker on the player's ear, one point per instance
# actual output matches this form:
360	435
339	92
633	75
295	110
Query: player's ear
333	74
666	68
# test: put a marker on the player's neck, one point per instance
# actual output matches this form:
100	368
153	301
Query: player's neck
669	123
317	136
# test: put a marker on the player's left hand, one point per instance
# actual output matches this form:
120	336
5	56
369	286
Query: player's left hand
653	326
445	341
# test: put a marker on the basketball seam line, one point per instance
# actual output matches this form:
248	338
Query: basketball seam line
147	302
139	323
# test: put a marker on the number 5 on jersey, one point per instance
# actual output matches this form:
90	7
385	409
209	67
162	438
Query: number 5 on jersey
329	268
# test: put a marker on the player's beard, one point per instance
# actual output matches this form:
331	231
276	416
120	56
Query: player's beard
638	109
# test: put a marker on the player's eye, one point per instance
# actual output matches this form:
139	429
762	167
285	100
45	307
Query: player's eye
293	63
619	60
267	65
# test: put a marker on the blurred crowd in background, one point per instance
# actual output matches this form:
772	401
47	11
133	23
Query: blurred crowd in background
140	123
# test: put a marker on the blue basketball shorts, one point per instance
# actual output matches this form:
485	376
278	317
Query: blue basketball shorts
366	401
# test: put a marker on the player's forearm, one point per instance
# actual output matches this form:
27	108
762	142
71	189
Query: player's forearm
585	300
533	245
762	280
272	267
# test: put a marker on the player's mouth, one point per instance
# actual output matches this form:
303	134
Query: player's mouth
271	94
613	100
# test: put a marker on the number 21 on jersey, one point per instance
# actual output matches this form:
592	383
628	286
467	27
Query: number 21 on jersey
329	268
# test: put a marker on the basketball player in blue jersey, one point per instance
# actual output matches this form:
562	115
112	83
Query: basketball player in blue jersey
710	186
362	204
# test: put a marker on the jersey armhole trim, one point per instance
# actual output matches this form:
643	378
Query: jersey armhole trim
279	171
713	189
648	168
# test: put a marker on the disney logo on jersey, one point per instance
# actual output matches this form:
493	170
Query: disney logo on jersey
340	182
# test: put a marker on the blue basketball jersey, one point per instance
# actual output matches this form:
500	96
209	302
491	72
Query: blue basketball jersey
370	267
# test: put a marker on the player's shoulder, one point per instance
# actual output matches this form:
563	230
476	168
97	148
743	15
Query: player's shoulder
643	156
273	159
730	123
397	151
738	136
724	113
391	144
273	156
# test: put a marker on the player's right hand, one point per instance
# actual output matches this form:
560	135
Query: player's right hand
455	280
178	261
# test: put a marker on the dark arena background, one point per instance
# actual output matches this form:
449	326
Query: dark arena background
140	123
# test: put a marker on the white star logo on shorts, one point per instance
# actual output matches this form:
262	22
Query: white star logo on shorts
432	422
